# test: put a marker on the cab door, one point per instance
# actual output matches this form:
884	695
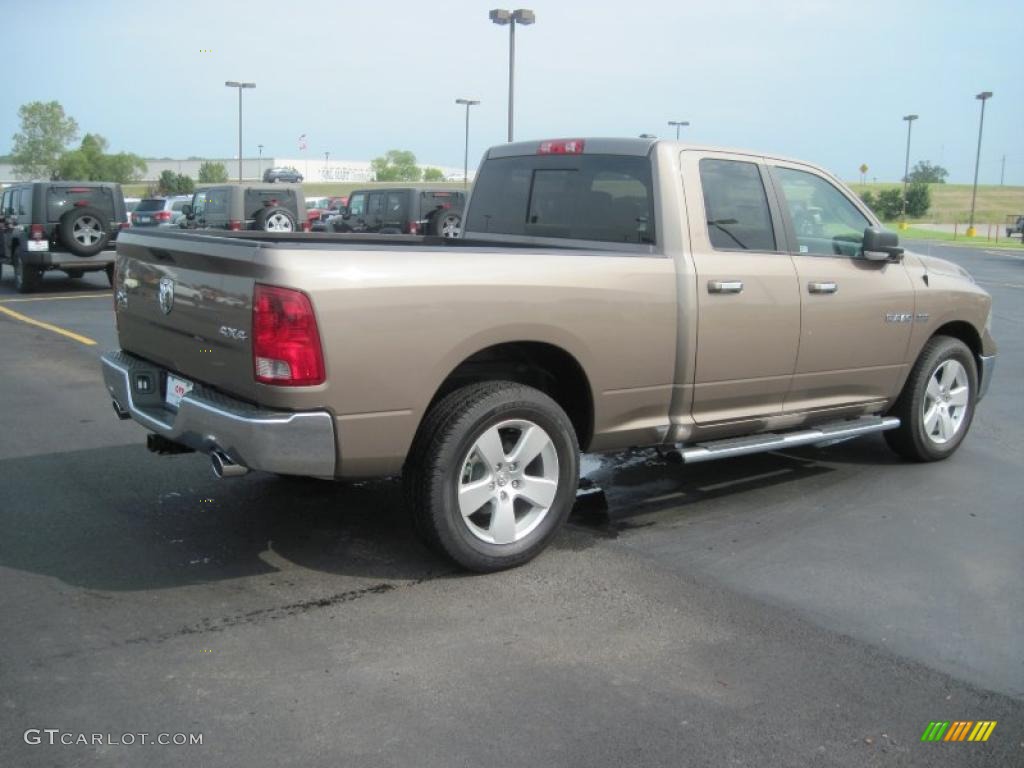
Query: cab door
748	306
856	314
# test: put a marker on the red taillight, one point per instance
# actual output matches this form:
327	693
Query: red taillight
235	225
563	147
285	339
36	231
304	226
414	228
125	225
162	216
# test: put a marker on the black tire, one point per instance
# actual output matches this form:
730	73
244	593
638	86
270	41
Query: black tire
264	216
438	460
26	276
441	219
81	243
911	439
298	180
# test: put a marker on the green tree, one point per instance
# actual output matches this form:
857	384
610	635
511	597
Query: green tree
212	173
45	132
433	174
90	162
171	183
919	200
396	165
925	172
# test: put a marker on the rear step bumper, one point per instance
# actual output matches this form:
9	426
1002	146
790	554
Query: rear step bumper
290	443
832	432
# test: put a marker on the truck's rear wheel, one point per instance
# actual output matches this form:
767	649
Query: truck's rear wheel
937	403
26	276
492	474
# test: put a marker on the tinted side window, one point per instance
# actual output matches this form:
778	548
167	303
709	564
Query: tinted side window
824	219
5	205
356	204
375	205
736	205
608	198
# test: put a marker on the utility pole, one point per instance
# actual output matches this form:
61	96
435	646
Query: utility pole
982	97
1002	171
906	172
240	86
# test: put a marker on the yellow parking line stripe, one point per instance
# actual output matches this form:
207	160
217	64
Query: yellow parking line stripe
56	329
58	298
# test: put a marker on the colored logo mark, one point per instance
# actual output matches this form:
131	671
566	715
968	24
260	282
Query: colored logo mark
958	730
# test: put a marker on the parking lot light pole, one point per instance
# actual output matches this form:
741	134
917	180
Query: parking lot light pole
906	172
982	97
240	86
259	163
465	155
503	17
679	124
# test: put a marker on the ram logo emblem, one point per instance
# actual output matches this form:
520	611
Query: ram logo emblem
166	296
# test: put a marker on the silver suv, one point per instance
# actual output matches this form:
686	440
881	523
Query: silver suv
160	211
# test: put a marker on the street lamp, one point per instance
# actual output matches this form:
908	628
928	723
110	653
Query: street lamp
906	172
678	124
239	86
982	97
501	18
465	157
259	163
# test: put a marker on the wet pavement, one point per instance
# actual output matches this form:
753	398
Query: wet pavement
812	607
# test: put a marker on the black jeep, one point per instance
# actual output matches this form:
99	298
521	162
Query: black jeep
65	225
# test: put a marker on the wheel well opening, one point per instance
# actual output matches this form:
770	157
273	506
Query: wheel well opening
964	331
546	367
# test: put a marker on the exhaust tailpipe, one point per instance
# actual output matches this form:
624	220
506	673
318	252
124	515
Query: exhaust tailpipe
224	467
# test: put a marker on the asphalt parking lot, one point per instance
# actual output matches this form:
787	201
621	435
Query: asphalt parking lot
814	607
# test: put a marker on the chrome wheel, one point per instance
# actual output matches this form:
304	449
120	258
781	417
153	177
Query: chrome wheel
508	481
87	230
278	222
945	402
451	226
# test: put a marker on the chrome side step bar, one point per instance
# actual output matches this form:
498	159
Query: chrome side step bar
833	432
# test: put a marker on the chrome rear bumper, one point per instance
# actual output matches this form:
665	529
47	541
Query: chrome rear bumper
291	443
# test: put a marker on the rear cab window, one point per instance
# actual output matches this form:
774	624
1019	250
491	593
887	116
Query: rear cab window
605	198
255	199
60	199
150	205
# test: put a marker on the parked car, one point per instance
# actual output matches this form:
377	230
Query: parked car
272	175
1015	225
234	207
160	211
403	210
130	203
65	225
605	293
328	211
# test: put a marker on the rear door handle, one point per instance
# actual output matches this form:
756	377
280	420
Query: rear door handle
822	287
724	286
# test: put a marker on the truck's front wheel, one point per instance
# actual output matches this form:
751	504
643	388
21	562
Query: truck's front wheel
492	474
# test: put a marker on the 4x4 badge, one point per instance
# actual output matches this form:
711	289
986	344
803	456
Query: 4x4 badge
166	295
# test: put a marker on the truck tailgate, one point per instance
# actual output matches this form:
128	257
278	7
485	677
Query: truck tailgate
185	303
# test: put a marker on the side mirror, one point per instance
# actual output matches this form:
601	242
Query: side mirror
345	213
188	210
881	245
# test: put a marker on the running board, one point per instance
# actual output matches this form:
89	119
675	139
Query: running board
833	432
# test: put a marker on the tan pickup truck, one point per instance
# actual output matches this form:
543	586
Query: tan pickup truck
606	293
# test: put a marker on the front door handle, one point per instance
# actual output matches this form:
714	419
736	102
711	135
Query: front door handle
822	287
724	286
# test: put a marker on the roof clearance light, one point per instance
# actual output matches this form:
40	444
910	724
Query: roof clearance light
564	147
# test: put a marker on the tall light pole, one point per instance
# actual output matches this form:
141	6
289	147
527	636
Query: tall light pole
465	155
503	17
240	86
982	97
678	124
259	163
906	172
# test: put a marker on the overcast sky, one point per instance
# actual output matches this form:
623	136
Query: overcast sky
821	80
